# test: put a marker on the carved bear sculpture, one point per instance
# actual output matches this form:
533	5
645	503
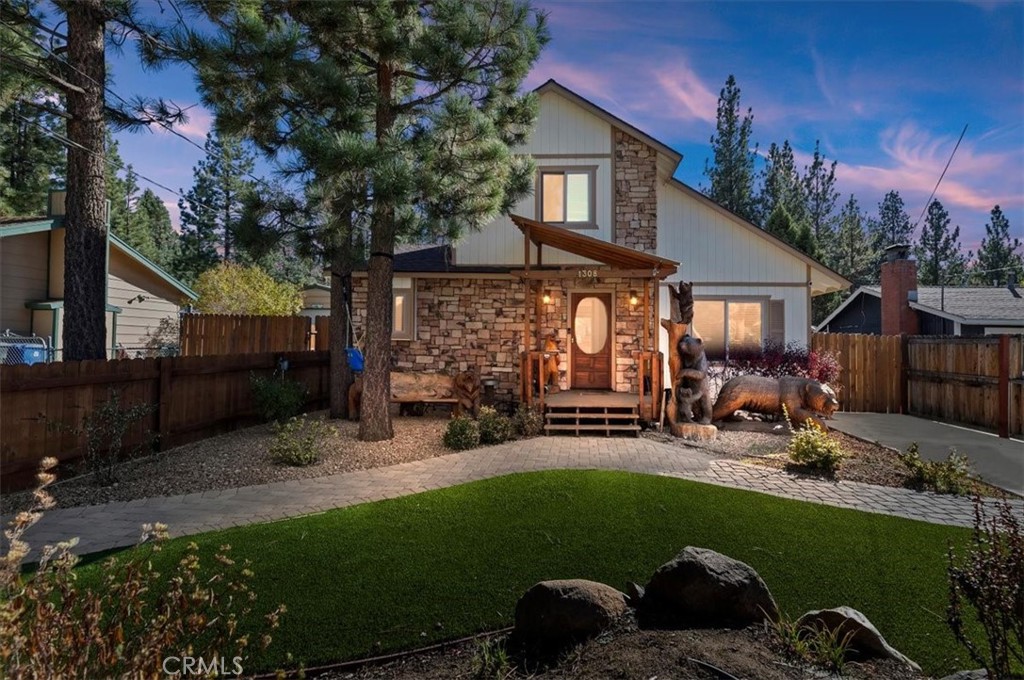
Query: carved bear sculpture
692	391
805	399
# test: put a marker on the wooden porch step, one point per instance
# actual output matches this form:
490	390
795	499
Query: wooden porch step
590	416
608	428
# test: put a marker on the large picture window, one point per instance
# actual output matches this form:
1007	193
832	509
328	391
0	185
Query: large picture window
403	319
729	325
566	196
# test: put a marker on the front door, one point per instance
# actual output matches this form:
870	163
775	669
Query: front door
592	341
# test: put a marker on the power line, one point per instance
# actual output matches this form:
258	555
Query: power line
929	201
71	143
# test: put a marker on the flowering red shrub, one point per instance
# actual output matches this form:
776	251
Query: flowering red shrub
775	360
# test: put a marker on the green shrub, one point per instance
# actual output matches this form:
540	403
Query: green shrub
277	398
814	448
462	433
298	441
528	422
495	428
949	476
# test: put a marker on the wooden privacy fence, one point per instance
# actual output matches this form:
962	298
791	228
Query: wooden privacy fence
213	334
968	380
192	398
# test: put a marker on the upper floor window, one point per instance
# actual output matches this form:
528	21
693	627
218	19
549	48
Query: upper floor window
566	196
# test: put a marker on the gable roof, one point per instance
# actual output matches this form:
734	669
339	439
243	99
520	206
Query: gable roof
969	305
553	85
16	226
676	157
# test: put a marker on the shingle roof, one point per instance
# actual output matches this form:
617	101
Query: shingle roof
969	302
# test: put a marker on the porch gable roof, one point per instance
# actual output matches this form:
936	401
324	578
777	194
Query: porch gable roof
611	254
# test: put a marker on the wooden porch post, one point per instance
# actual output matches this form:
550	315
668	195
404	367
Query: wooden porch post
524	361
647	314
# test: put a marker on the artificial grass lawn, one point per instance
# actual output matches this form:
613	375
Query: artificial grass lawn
439	565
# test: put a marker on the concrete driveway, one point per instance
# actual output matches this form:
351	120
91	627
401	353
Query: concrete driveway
997	461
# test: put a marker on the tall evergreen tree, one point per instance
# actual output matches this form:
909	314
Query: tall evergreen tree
892	226
819	182
940	258
1000	256
780	224
211	209
781	185
153	217
853	256
732	174
442	83
32	162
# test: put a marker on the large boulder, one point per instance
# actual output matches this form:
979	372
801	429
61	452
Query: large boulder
977	674
701	587
863	636
555	611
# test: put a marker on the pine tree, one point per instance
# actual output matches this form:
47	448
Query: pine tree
32	162
1000	256
732	174
892	227
211	210
780	224
440	84
853	256
940	259
152	216
819	182
781	185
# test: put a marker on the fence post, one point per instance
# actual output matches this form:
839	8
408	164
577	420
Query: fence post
164	413
1004	386
904	374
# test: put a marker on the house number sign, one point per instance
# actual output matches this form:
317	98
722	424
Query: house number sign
588	275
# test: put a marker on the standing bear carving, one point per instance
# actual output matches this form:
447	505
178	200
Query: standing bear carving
693	391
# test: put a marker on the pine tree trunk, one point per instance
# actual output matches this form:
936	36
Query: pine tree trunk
339	340
85	249
374	416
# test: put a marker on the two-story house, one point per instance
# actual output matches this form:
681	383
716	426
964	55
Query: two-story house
586	259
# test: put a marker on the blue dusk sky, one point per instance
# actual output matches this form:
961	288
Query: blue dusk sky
886	88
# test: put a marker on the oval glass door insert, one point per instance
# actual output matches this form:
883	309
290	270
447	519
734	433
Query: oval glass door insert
591	325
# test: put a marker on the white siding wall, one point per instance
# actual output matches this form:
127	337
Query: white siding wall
711	247
23	277
565	135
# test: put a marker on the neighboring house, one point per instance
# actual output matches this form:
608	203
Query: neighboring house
900	307
606	223
142	299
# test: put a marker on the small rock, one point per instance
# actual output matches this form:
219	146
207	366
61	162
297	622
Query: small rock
864	637
704	588
556	611
694	431
978	674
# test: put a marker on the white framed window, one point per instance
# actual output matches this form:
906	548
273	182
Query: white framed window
565	196
403	312
724	324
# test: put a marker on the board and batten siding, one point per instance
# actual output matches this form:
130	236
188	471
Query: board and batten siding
150	321
23	277
565	136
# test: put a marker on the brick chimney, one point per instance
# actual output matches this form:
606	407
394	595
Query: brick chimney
899	289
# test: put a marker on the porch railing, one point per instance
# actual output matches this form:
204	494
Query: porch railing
533	363
649	379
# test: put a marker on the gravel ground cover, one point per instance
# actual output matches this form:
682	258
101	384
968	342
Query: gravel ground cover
241	458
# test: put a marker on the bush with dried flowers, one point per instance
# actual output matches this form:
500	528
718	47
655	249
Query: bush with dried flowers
53	627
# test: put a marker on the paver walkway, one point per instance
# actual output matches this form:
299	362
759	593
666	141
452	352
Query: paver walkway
100	527
997	461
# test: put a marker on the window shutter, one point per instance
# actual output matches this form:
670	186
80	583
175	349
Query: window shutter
777	321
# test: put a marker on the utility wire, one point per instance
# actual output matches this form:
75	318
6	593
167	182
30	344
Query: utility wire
929	201
71	143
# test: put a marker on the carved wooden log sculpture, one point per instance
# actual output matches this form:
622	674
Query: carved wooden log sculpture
551	363
689	399
462	390
805	399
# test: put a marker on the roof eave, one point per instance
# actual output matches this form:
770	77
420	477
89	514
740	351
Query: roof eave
153	267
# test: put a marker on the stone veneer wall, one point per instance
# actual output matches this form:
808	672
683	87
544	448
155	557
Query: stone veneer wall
462	322
636	200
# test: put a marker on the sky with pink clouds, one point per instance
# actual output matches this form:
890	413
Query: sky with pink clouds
885	87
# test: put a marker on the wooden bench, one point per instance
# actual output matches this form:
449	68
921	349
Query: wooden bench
462	391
